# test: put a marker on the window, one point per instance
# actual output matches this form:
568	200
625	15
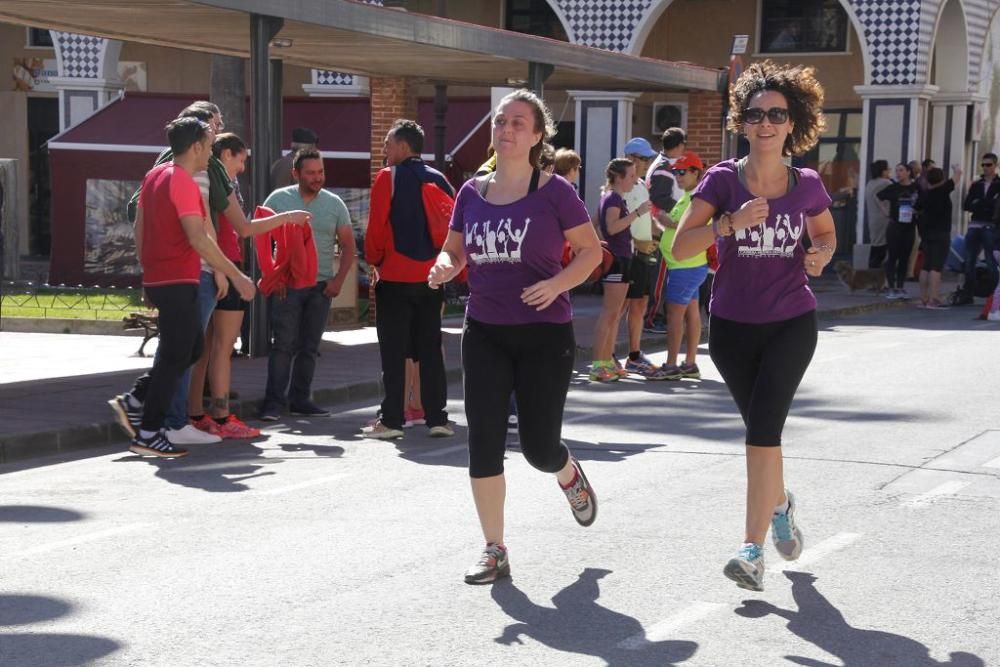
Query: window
802	26
534	17
39	38
836	157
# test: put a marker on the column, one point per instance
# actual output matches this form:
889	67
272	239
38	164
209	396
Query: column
88	75
894	126
953	142
705	125
391	98
603	125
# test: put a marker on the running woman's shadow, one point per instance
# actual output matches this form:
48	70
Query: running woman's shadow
578	624
820	623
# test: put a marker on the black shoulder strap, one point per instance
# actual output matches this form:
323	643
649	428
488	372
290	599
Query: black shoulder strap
793	178
483	183
741	164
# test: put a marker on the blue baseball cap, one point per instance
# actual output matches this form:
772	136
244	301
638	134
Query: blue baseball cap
639	146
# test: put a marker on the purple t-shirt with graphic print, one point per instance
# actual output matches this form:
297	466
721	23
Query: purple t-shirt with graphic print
514	246
620	244
761	276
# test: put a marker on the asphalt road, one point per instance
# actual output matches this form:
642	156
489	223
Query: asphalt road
313	546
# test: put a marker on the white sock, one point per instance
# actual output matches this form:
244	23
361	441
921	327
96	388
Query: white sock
783	508
146	435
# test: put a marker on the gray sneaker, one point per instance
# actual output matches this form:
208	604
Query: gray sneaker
746	568
581	498
785	533
492	565
442	431
382	432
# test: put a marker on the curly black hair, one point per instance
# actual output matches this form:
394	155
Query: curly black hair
802	91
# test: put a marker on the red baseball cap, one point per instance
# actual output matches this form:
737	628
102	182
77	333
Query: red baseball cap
688	160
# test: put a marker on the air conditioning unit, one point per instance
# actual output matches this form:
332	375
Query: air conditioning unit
669	114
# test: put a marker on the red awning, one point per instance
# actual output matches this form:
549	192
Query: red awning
134	123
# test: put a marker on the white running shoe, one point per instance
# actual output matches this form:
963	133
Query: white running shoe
189	435
746	568
785	532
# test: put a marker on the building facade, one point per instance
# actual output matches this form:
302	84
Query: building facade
904	79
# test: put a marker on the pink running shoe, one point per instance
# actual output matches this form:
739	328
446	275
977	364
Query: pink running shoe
206	424
234	429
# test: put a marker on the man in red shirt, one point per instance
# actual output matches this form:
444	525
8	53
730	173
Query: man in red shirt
171	238
408	316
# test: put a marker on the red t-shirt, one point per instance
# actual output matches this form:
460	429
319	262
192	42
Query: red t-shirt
229	240
168	194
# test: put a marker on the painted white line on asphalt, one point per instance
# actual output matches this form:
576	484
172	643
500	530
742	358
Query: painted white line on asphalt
303	485
995	463
946	489
667	628
580	418
811	554
80	539
444	451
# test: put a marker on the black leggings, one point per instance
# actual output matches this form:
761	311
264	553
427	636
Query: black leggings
535	361
900	237
762	364
181	343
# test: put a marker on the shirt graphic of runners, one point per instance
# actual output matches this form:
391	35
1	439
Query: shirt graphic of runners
494	243
775	238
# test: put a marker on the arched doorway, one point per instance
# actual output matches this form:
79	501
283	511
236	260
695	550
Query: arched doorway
949	140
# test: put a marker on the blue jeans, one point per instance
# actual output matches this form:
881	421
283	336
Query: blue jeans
297	324
177	413
979	238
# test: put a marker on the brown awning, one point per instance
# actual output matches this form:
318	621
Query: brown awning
363	39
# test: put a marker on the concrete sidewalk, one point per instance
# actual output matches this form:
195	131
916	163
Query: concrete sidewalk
54	387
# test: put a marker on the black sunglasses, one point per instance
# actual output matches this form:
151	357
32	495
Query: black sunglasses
755	115
987	165
681	172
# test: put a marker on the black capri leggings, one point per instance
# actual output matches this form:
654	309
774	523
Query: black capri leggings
762	365
535	361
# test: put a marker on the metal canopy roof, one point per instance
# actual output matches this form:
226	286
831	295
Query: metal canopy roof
362	39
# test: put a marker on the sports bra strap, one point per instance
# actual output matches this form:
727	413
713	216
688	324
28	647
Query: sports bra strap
483	184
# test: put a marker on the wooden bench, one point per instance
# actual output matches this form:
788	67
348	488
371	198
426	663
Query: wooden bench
149	322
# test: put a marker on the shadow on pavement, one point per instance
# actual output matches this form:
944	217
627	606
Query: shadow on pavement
36	514
569	627
45	649
820	623
213	468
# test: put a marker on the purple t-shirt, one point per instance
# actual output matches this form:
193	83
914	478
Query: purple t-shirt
514	246
620	244
761	276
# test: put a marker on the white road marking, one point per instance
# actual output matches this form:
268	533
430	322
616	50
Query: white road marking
995	463
813	553
946	489
303	485
580	418
80	539
668	627
444	451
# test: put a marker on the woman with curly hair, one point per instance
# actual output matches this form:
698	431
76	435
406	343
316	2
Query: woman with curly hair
509	227
763	314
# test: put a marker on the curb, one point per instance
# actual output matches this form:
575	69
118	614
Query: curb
24	446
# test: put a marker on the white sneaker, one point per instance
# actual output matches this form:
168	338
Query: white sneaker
994	316
189	435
